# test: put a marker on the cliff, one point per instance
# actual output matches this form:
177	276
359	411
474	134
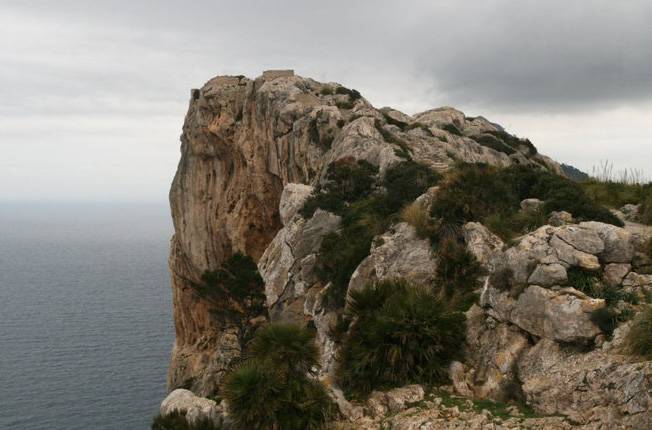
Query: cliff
253	152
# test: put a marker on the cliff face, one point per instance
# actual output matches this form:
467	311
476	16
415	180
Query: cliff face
243	140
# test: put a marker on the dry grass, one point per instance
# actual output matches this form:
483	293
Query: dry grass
417	216
639	338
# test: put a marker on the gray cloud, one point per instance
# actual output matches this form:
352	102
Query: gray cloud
74	69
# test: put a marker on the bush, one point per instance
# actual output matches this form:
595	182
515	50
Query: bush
452	129
646	211
326	91
406	181
401	334
273	387
236	288
349	193
353	94
346	181
457	274
639	338
176	420
492	195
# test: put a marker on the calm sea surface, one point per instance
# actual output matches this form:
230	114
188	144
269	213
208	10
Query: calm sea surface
85	315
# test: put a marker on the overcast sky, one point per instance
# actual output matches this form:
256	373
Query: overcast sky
93	94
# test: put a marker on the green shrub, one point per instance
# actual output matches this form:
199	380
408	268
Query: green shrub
401	334
390	120
646	211
457	274
639	338
326	91
347	180
514	224
452	129
273	388
592	284
480	192
616	194
406	181
285	346
606	319
236	287
403	151
349	193
353	94
176	420
347	105
490	141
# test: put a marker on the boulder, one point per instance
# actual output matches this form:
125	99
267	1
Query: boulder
618	244
292	199
563	315
631	212
531	205
559	218
194	407
393	401
548	275
398	253
614	273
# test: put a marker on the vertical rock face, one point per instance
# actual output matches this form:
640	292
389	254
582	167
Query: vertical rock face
243	141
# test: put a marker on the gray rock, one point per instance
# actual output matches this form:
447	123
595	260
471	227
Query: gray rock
559	218
548	275
195	407
563	315
582	239
485	246
614	273
631	212
531	205
292	199
618	244
399	253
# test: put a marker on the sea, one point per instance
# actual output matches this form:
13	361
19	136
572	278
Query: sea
86	323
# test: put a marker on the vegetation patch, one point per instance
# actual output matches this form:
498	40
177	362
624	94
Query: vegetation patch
639	338
236	289
353	94
177	420
452	129
592	284
274	387
402	334
457	274
350	191
403	150
478	192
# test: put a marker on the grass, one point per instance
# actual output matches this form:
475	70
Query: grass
497	409
402	334
273	387
639	338
417	216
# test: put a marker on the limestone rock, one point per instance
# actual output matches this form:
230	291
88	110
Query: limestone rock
531	205
614	273
563	315
399	253
548	275
485	246
556	381
292	199
631	212
618	244
393	401
559	218
195	407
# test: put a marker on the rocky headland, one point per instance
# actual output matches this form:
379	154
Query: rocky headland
552	300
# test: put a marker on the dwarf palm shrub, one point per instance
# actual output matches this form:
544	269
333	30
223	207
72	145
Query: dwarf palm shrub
400	334
176	420
273	387
457	274
639	338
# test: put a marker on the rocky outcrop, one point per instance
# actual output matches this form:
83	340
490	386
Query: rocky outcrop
243	141
253	151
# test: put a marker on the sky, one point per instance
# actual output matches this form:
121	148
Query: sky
93	94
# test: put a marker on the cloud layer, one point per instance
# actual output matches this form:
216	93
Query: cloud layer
105	84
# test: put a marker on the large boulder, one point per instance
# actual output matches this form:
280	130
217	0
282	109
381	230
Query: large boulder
398	253
618	243
596	389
